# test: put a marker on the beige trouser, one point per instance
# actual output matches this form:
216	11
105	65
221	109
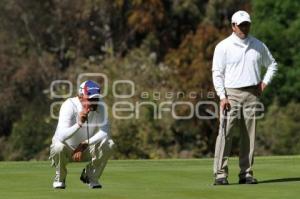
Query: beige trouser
61	154
243	115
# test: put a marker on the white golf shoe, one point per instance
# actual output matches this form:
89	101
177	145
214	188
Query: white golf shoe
59	185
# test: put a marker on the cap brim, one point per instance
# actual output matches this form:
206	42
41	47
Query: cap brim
94	96
246	20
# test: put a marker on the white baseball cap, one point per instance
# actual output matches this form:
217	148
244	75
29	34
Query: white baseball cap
240	16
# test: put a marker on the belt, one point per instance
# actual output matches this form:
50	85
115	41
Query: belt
249	87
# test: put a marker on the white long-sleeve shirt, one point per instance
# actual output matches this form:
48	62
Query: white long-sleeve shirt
237	63
69	132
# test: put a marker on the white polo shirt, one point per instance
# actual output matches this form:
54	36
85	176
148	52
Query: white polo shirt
70	133
237	63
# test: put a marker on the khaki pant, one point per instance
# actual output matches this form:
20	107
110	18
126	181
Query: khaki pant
61	154
243	115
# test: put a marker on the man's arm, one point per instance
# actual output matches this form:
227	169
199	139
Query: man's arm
103	131
218	73
102	134
65	128
77	153
271	65
98	137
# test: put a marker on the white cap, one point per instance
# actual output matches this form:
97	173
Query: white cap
240	16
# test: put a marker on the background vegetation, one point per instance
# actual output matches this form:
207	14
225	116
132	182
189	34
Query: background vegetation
162	46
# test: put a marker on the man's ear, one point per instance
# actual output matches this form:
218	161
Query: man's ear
233	26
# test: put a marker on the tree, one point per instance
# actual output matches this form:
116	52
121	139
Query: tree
278	133
272	28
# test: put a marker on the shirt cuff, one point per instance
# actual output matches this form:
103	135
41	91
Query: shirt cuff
86	141
78	126
222	96
265	82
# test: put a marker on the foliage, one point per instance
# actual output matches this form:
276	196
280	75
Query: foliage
279	29
31	136
278	133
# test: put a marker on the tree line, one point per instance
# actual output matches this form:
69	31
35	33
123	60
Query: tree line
162	46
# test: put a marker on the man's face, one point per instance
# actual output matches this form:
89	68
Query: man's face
241	30
90	104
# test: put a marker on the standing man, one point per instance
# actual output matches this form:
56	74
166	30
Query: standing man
82	130
237	80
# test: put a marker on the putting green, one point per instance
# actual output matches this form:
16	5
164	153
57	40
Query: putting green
135	179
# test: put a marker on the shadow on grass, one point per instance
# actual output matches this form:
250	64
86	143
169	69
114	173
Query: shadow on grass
296	179
280	180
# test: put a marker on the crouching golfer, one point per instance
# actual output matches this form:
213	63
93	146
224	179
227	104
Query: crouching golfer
82	130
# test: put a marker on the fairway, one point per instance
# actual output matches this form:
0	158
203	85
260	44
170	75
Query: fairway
135	179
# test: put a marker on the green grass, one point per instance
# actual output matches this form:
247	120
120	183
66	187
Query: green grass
166	179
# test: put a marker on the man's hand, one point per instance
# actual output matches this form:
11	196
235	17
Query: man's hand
225	105
261	87
77	154
83	115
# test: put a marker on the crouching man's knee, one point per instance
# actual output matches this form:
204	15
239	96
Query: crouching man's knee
59	153
106	147
111	144
57	147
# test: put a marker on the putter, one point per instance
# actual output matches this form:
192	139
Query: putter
224	122
87	129
223	132
83	177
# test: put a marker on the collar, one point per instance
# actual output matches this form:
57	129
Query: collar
241	42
